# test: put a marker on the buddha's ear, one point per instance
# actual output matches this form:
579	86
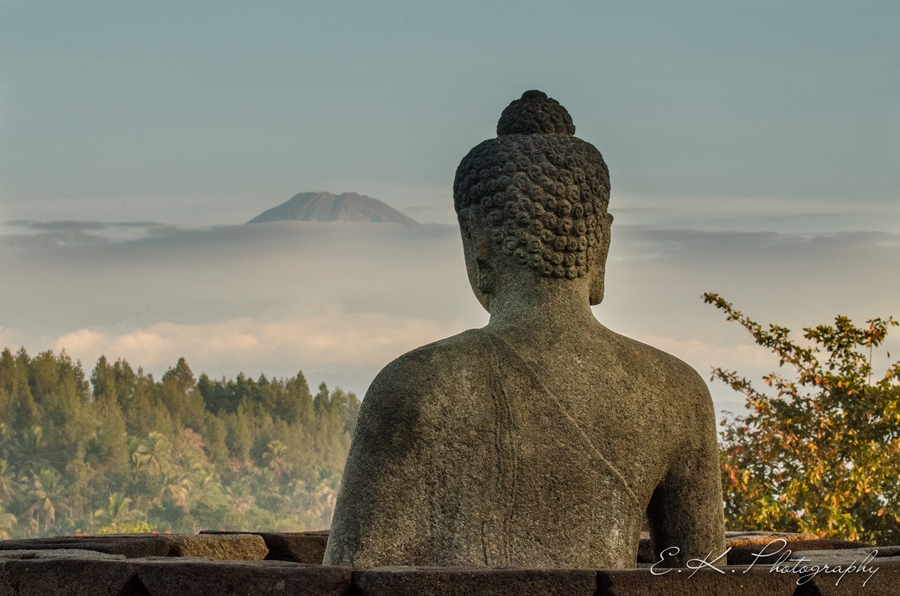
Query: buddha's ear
597	270
481	243
466	220
477	251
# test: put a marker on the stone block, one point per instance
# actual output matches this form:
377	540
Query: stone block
130	546
727	581
449	581
882	578
298	547
181	577
735	540
744	538
247	547
244	547
82	575
744	553
62	553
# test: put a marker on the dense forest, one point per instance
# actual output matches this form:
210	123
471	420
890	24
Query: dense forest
122	452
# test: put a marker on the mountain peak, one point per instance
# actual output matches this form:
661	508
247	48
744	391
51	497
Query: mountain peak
324	206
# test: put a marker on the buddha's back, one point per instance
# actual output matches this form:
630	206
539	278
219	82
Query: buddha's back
471	453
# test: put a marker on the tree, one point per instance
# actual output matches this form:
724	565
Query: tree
8	484
108	449
47	496
113	383
179	392
275	456
822	454
174	454
118	513
153	454
8	523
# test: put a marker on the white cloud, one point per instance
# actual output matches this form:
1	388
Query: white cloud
8	337
358	341
78	342
702	355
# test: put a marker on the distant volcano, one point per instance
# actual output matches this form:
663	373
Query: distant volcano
324	206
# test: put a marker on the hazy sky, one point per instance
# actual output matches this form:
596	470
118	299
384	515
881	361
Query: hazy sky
209	112
754	150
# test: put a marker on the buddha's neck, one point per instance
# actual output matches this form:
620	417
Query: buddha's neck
548	303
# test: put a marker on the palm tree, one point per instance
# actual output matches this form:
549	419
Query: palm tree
188	442
117	513
180	490
8	523
240	502
153	454
29	448
323	499
8	484
276	458
48	494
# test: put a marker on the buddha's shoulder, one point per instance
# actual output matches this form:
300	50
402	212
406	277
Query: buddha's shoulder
441	365
460	349
641	360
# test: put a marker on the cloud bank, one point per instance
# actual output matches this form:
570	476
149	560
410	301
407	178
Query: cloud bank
339	301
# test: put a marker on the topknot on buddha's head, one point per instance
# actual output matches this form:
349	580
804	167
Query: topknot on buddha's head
535	113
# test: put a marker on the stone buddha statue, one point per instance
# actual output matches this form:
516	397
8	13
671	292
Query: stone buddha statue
541	439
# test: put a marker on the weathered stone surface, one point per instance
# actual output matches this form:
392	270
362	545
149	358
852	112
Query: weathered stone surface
241	547
83	573
887	551
744	538
88	576
97	574
128	545
881	577
231	547
62	553
727	581
541	439
732	540
770	550
444	581
833	556
298	547
174	577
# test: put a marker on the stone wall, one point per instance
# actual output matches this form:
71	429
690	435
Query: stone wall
288	563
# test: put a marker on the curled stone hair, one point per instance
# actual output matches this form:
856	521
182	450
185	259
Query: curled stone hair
543	191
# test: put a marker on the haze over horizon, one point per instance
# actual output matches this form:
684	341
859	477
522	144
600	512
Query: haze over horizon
754	151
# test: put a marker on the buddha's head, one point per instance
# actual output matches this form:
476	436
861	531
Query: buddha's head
532	202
